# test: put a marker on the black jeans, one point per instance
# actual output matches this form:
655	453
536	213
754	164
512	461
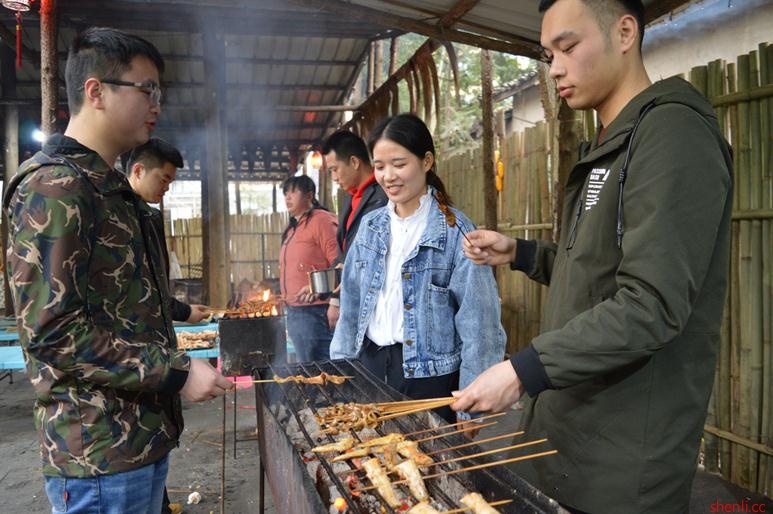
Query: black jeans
386	362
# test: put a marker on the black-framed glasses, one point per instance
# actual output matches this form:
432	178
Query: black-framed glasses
151	88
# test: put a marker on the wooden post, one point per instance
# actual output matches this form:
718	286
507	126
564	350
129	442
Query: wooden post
11	153
372	68
392	56
378	63
218	280
238	196
48	67
487	115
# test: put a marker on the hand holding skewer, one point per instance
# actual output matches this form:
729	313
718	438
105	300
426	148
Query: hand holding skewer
494	390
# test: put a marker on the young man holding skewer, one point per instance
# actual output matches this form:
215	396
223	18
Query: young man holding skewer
88	289
621	375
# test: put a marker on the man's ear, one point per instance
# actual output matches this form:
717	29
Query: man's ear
137	170
355	162
92	93
627	33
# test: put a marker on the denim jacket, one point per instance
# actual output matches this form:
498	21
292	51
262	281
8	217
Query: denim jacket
452	310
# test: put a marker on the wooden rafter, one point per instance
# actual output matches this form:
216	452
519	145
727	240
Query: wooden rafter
456	12
367	14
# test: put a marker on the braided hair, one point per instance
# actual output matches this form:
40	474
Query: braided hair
410	132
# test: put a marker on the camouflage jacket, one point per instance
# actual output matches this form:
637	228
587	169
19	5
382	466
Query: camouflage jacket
87	284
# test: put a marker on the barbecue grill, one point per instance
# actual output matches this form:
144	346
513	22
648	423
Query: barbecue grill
247	343
281	407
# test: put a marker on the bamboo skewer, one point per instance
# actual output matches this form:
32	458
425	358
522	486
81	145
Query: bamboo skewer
411	403
465	509
488	440
489	452
465	457
471	468
426	406
265	381
348	471
443	427
460	431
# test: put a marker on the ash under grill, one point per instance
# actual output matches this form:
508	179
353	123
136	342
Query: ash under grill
293	488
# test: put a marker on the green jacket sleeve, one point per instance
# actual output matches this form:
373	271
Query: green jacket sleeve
675	198
535	258
50	250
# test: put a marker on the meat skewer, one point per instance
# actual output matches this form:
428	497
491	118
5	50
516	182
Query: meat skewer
478	504
321	379
423	508
339	446
408	470
381	482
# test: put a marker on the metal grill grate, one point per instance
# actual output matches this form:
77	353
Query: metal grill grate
283	463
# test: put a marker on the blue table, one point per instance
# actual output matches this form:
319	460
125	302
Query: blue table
207	353
9	336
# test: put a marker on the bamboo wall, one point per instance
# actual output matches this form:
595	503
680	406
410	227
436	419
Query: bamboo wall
738	428
738	434
253	247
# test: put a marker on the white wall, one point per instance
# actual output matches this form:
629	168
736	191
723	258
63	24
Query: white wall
527	109
705	31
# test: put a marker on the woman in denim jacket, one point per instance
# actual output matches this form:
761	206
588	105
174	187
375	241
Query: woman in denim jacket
415	311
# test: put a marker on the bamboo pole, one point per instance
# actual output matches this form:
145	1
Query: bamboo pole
766	427
743	152
755	280
708	86
729	402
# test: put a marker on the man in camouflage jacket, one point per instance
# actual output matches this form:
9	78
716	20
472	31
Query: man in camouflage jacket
88	285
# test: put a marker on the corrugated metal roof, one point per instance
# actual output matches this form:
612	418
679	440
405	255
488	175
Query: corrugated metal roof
276	53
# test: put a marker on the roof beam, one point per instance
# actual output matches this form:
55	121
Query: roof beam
268	108
367	14
461	8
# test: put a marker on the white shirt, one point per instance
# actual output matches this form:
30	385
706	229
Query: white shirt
386	324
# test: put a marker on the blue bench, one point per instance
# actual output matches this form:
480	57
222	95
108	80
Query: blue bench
11	357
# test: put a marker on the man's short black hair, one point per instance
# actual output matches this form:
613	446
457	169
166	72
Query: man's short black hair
346	144
609	11
154	154
103	53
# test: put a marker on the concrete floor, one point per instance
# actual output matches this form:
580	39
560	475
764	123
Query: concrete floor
196	464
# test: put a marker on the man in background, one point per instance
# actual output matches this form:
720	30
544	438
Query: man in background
348	161
151	168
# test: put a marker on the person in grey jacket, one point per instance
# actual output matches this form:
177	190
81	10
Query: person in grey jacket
620	377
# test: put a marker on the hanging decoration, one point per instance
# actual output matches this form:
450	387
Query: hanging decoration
19	6
500	171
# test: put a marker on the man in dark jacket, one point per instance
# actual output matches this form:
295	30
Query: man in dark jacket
348	161
88	290
620	377
151	168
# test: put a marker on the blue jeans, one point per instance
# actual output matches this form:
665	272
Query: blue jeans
138	491
308	328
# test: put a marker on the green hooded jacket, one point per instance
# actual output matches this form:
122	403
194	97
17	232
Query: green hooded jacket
87	284
620	377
